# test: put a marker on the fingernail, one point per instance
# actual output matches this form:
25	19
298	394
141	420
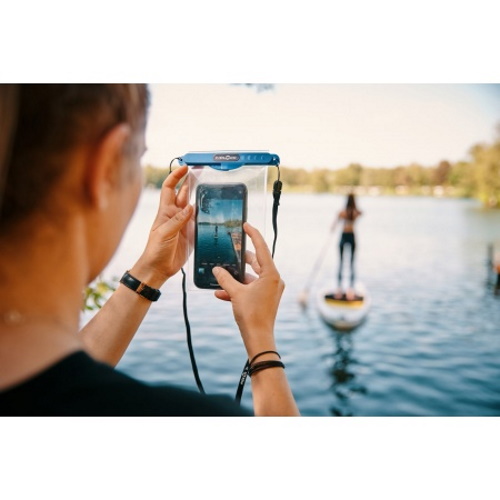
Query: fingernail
215	271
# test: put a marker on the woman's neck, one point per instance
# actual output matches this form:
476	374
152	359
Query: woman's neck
40	300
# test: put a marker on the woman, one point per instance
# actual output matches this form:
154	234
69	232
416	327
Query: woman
348	216
73	179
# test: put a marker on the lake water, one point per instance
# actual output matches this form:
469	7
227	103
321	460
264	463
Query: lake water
430	345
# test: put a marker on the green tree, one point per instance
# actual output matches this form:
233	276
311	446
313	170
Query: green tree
441	173
320	181
154	177
486	161
416	176
461	178
479	177
294	179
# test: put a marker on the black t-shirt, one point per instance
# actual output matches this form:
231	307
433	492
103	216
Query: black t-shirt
81	386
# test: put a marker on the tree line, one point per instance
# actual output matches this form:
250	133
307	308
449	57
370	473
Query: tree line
478	177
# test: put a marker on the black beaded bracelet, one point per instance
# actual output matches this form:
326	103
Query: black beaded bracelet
142	289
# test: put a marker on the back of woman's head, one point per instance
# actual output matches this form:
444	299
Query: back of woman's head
8	116
51	122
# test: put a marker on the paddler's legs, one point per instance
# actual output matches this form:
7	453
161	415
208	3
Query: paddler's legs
353	250
350	295
339	292
341	263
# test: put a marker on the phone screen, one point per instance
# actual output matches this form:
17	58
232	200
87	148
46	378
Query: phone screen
219	237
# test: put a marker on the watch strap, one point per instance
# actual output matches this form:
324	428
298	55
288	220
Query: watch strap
139	287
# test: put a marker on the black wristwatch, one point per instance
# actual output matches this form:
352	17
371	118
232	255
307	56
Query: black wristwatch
142	289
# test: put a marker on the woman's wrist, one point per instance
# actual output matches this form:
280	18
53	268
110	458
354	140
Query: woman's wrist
148	275
256	347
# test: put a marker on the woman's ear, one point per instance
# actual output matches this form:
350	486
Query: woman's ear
105	163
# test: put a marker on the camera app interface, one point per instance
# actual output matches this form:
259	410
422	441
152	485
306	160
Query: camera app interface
219	231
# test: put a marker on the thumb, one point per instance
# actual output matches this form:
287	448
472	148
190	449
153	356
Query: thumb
178	221
225	280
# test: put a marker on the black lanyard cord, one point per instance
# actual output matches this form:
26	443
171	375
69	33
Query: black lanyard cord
241	385
187	324
276	202
244	374
188	334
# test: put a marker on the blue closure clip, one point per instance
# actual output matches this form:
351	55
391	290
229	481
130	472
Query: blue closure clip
228	160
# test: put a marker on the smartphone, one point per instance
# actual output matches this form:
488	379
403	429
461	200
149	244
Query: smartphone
221	210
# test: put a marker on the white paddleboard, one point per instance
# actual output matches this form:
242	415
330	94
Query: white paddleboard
343	314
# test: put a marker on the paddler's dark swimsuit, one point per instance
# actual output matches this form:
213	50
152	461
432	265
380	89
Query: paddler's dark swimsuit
347	238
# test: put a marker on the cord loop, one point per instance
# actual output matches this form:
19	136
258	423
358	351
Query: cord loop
261	354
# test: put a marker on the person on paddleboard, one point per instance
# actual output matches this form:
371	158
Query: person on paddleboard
72	182
347	217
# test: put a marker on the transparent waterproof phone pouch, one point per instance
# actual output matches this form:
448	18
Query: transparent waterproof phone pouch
227	189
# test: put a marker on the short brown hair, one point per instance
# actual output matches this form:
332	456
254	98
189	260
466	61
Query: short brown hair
8	117
52	120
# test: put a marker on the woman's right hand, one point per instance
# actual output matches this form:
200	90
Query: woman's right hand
255	303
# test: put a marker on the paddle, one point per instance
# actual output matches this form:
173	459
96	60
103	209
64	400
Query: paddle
303	296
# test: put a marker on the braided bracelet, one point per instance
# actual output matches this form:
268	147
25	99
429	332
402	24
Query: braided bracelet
249	370
263	365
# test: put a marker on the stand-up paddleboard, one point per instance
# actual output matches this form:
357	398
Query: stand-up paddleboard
340	313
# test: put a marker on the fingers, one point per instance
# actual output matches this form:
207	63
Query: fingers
175	176
251	258
168	187
225	280
171	227
169	201
183	195
222	295
249	278
264	258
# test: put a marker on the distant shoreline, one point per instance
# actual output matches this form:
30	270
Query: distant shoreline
478	178
374	192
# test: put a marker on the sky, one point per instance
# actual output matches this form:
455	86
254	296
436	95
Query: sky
324	125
